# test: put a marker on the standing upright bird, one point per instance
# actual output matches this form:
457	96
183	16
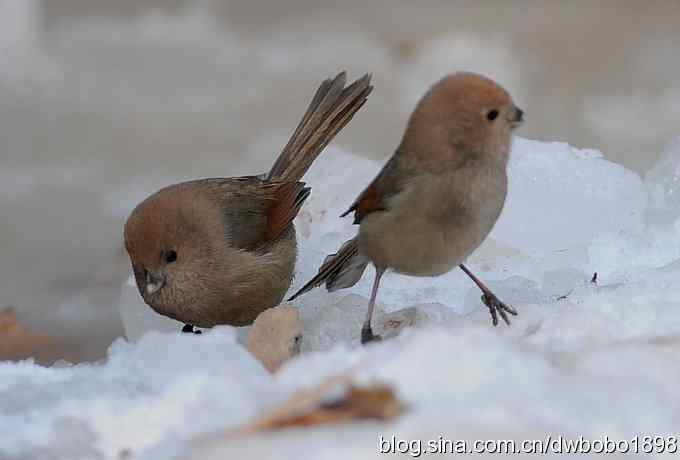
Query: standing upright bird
438	196
222	250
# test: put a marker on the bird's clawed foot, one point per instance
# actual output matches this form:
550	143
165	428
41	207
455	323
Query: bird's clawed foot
496	307
189	329
368	336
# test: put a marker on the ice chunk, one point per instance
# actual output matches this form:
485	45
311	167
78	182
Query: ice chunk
657	244
663	186
621	254
560	197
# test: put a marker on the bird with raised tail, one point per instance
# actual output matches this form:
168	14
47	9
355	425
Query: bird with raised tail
438	197
222	250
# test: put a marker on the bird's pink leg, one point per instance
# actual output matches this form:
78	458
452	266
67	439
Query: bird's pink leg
494	304
366	331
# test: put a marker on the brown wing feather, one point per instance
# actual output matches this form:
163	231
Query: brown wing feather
369	201
283	202
257	211
385	185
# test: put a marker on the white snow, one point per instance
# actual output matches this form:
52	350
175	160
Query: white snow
580	359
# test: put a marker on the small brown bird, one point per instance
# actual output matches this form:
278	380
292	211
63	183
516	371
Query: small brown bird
438	196
222	250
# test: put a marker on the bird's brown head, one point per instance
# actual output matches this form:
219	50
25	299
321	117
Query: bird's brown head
461	116
173	238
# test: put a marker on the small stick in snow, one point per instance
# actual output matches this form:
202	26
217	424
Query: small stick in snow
564	297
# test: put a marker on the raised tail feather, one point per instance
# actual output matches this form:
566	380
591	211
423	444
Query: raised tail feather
332	107
339	271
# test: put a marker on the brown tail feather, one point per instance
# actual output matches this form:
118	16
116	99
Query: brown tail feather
332	107
339	271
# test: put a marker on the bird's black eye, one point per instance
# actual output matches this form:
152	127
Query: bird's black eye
170	257
492	115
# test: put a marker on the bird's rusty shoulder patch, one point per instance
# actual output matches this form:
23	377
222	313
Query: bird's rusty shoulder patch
369	201
283	202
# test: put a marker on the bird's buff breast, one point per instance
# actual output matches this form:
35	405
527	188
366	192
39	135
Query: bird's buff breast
253	284
433	226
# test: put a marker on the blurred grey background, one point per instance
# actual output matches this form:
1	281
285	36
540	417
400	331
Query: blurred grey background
103	102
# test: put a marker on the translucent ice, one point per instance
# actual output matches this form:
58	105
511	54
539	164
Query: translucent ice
663	185
657	244
560	197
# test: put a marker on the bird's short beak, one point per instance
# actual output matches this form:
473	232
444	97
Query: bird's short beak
517	117
154	281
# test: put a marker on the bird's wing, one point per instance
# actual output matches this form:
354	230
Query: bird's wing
374	197
257	211
283	201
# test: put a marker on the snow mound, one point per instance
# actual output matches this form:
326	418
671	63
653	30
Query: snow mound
561	197
590	356
142	394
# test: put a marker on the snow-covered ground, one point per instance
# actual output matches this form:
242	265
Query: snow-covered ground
582	358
